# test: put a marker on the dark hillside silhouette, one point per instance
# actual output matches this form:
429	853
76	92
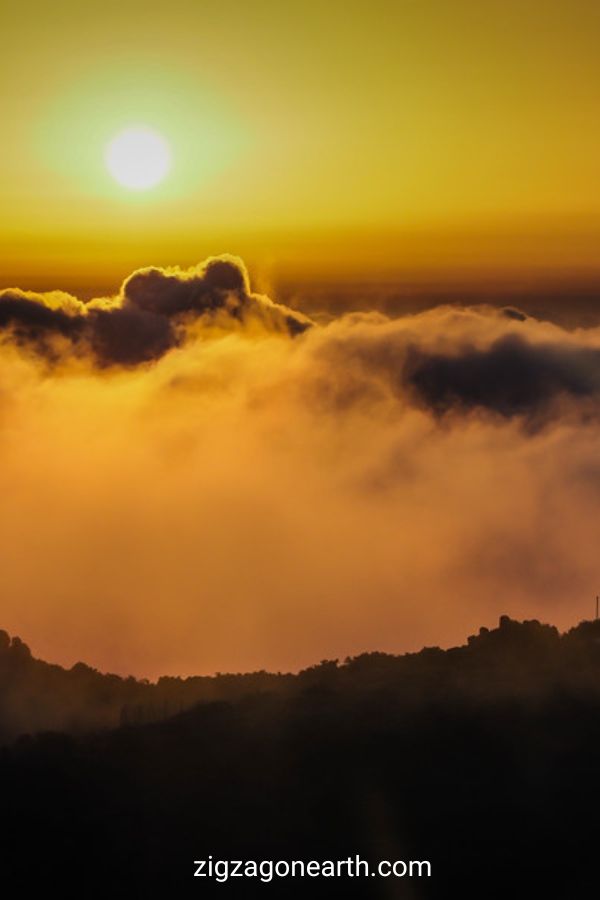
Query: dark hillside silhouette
482	759
38	696
524	658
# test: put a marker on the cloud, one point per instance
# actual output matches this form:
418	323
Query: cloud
153	312
38	319
456	360
511	377
195	478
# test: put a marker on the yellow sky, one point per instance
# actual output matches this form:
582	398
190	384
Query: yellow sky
354	136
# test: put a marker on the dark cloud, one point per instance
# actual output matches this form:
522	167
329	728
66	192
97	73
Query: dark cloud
31	319
126	336
220	283
512	313
452	360
511	377
150	315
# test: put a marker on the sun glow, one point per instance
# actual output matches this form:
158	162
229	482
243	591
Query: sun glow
138	158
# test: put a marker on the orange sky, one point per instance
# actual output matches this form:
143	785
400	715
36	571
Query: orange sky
313	139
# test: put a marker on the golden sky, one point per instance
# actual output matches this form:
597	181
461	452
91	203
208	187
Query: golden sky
335	137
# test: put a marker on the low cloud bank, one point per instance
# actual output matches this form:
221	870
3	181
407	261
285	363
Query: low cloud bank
196	478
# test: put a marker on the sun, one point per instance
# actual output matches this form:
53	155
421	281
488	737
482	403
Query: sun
138	157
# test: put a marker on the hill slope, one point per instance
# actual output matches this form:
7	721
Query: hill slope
481	759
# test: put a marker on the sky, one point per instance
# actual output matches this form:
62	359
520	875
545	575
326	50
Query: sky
227	440
427	139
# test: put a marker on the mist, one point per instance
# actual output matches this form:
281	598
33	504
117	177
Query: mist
257	491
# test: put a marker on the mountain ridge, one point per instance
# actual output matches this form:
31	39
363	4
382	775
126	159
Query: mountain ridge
522	657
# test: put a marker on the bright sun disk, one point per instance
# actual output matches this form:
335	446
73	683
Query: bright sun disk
138	157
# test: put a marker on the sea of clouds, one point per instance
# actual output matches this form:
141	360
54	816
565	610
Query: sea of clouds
196	478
